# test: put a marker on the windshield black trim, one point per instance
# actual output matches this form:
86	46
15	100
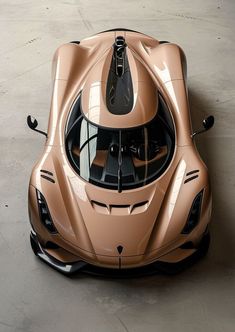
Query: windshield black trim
123	186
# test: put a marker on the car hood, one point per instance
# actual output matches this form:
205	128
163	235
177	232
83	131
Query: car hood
112	219
141	220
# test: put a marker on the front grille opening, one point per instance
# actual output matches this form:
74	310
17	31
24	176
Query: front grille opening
187	245
51	245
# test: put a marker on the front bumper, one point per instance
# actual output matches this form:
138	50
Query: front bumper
69	268
66	268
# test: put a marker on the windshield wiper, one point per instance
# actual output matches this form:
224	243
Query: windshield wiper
120	162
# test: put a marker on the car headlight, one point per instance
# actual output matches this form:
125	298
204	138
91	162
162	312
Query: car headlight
45	213
194	214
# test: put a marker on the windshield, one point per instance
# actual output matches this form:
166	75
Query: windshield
119	158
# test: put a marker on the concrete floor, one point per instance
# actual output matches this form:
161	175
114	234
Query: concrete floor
35	298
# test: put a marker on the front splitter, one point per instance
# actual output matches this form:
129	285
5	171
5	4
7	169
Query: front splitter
147	270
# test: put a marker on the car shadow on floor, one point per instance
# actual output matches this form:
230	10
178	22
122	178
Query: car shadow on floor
215	152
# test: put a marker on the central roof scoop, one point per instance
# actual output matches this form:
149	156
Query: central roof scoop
119	91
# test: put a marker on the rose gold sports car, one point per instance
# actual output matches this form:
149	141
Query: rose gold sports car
120	185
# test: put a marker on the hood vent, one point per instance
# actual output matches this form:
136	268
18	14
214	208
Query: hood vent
191	175
119	92
119	209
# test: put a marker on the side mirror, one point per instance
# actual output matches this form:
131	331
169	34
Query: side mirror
208	123
33	123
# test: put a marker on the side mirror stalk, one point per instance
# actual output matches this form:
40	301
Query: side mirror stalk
32	123
208	123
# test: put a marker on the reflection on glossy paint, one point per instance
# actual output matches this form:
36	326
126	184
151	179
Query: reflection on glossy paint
94	101
165	76
67	169
53	115
135	99
171	91
164	73
88	143
79	188
179	177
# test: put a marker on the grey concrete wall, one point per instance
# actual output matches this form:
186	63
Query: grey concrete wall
36	298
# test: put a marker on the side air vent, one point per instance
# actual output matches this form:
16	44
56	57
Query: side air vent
191	175
119	209
47	175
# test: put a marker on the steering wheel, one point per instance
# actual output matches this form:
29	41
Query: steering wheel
143	152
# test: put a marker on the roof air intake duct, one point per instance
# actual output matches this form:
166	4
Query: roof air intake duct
119	92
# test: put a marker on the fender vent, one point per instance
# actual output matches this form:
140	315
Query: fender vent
47	175
191	175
